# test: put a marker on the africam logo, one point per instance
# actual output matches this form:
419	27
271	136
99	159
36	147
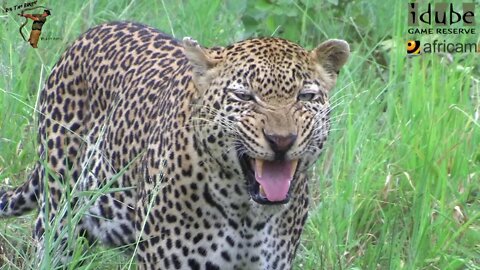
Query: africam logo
413	47
436	46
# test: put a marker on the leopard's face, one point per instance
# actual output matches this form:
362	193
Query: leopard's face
263	111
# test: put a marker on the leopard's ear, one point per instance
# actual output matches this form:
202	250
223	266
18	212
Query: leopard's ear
203	61
332	55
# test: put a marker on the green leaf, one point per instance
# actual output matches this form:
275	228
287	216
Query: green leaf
271	24
238	6
263	5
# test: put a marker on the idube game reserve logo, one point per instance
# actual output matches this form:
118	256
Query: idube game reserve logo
444	22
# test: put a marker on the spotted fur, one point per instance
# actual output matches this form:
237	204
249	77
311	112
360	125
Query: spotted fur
150	133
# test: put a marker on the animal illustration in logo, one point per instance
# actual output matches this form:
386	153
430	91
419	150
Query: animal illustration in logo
38	21
413	47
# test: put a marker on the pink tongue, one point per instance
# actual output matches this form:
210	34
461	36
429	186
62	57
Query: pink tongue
275	179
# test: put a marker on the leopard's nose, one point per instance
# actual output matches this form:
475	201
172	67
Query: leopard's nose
280	143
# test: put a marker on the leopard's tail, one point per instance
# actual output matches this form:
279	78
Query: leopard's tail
22	199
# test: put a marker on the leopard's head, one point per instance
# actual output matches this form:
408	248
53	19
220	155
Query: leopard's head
262	110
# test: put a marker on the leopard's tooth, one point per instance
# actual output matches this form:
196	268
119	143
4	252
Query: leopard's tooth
294	168
262	191
259	167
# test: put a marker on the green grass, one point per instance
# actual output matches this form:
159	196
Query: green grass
398	186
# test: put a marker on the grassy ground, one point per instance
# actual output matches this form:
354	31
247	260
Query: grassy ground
398	186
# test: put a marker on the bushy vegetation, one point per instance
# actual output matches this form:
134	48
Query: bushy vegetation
398	186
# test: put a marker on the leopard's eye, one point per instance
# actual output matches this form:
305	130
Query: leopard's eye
306	96
243	96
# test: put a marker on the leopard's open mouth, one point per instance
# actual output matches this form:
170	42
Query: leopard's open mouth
268	182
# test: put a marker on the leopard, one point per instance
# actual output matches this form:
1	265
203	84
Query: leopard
193	157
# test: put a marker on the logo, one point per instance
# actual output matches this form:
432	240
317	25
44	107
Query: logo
38	21
447	23
413	47
442	14
37	15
